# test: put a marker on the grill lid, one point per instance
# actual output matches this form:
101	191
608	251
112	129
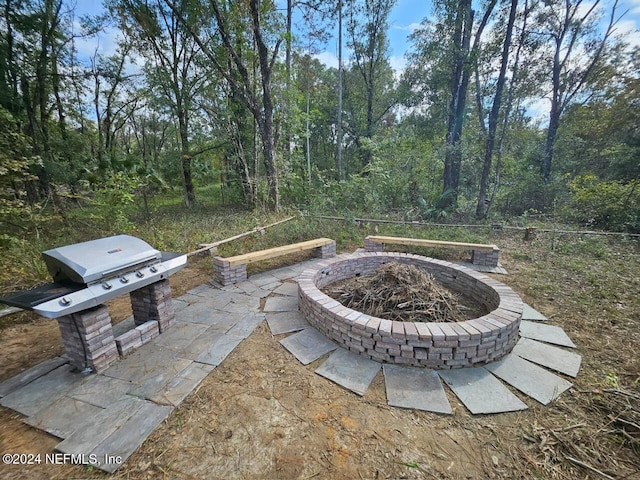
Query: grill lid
95	260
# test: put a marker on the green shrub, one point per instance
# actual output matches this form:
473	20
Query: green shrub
610	205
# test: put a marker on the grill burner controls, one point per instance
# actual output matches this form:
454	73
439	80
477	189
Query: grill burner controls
88	274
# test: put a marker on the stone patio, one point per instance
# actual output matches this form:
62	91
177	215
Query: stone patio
106	416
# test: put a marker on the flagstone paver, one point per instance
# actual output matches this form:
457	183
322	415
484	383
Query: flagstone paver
43	391
545	333
308	345
287	288
30	375
418	388
349	370
555	358
530	313
286	322
281	304
480	391
534	381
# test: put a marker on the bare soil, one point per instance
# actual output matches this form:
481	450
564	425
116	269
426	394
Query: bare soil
263	415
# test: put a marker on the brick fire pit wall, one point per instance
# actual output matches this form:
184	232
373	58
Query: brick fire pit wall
433	345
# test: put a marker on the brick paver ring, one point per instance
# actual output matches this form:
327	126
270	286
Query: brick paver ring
434	345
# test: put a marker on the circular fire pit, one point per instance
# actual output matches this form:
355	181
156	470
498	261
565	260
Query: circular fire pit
434	345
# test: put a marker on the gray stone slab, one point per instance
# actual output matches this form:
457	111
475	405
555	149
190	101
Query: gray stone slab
145	361
203	343
174	392
179	336
203	290
480	391
204	314
417	388
179	305
260	293
308	345
242	304
286	322
554	358
263	279
218	351
281	304
92	431
530	313
545	333
285	273
28	376
113	451
247	325
61	417
534	381
351	371
288	288
155	381
247	287
100	390
42	391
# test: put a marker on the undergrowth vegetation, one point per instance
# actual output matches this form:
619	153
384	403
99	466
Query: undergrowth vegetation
588	284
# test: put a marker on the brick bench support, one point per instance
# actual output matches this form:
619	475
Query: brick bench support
487	255
232	270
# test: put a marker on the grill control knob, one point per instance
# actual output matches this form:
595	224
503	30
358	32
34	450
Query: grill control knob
65	301
124	279
139	274
153	268
106	286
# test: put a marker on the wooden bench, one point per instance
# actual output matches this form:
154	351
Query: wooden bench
486	255
234	269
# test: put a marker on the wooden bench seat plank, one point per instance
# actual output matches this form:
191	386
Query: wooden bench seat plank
430	243
277	251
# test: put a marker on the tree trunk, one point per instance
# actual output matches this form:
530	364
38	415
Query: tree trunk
459	86
494	115
189	193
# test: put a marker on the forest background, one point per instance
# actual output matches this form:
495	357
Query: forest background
210	103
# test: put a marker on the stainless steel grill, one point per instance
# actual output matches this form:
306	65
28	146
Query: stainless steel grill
90	273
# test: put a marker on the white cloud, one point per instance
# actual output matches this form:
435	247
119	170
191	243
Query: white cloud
634	6
412	27
327	58
398	64
628	31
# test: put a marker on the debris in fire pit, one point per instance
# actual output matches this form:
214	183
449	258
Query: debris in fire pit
404	293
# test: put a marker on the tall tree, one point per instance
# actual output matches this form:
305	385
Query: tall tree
577	52
495	112
226	42
173	69
367	27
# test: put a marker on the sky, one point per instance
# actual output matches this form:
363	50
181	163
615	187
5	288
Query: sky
405	17
408	14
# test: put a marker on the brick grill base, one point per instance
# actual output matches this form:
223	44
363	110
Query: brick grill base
88	335
433	345
88	339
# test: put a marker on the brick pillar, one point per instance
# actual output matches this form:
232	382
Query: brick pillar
486	258
370	246
326	251
154	302
88	339
227	274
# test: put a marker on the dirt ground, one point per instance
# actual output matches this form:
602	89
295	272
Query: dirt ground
263	415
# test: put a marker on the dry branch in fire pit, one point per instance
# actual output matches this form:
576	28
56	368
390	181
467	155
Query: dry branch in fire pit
404	293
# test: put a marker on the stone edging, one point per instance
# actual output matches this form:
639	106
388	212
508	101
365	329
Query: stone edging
433	345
